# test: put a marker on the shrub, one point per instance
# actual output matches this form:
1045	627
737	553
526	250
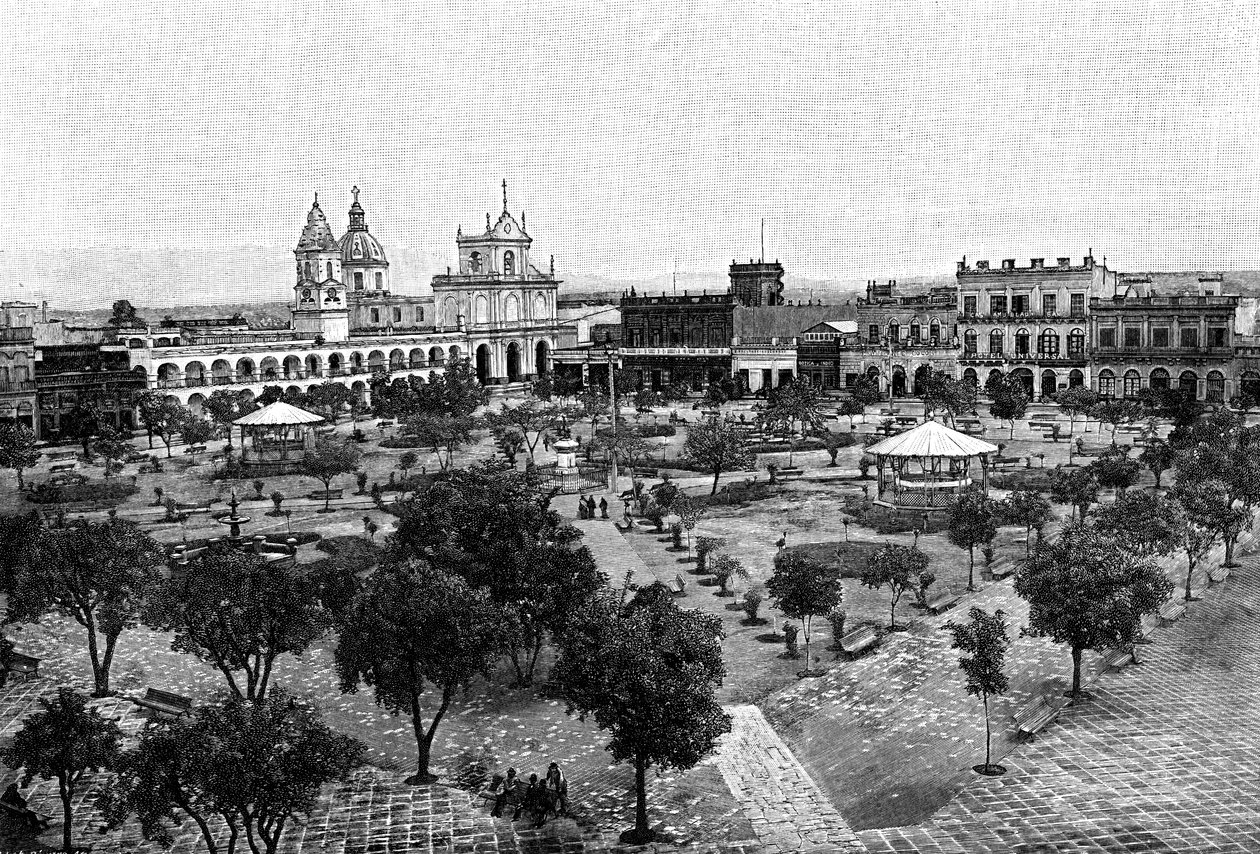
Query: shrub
360	480
111	490
676	535
752	604
836	618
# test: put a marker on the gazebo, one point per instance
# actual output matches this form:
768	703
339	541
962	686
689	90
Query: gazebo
274	439
925	467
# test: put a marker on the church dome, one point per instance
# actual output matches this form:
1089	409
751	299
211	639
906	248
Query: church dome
316	235
358	247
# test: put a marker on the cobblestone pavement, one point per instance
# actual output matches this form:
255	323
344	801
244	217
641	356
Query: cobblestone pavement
788	812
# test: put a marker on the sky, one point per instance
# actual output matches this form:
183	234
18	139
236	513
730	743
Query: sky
169	152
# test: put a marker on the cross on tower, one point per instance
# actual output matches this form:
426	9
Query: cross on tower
355	192
505	195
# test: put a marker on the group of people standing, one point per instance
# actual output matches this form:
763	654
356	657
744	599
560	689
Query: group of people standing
586	507
550	794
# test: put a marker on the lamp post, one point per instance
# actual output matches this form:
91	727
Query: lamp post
892	409
612	405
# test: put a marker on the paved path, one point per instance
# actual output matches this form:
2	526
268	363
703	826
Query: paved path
787	811
612	553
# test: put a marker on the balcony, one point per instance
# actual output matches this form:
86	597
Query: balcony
17	335
675	351
1121	352
1022	316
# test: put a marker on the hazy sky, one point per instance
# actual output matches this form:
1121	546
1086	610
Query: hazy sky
877	141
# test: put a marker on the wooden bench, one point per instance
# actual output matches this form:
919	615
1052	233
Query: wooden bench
62	467
325	494
381	425
26	814
972	429
1002	569
1042	425
942	600
909	420
1035	715
858	640
678	586
26	666
1130	428
1172	610
1219	574
1116	658
164	702
195	449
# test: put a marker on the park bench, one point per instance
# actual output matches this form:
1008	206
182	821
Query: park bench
381	425
942	600
1120	657
164	702
26	813
907	420
971	428
678	586
1035	715
1172	610
1042	425
1002	568
858	640
1219	574
26	666
195	449
55	467
1130	428
325	494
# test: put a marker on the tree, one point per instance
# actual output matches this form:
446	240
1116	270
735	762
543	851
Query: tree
223	407
942	393
706	546
1223	450
17	449
1209	513
689	511
407	461
1010	399
61	742
865	391
19	534
718	447
1158	457
1030	510
328	459
1115	413
647	672
645	400
194	431
1115	469
832	443
1075	487
492	526
1143	522
543	387
238	613
123	314
899	569
113	447
329	399
1087	591
795	403
94	572
724	567
1076	400
983	641
457	392
411	626
529	418
804	588
270	394
240	767
594	405
851	407
443	433
972	523
84	422
629	448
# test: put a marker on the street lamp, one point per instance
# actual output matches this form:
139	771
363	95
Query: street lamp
612	405
888	340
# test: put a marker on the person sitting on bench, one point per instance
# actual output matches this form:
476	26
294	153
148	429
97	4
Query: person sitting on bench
529	800
13	798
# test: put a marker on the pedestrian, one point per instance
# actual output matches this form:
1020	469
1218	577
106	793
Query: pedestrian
581	506
510	784
603	508
13	798
590	507
530	797
558	787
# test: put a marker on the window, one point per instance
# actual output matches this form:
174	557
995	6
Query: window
1048	304
1159	378
872	333
997	305
1107	384
995	342
329	268
509	263
306	270
969	306
380	280
1022	340
1189	336
894	331
397	315
1132	336
376	315
1048	344
1019	304
969	342
1076	342
915	337
1107	337
935	331
1216	387
419	315
358	280
1078	305
1189	383
1216	336
1159	336
1132	383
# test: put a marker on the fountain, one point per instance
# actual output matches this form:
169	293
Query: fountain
234	520
274	553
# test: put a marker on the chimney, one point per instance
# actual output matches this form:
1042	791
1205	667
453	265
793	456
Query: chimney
982	265
1065	262
962	265
1089	259
1008	263
1038	263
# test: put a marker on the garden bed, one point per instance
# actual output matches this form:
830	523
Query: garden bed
94	491
850	557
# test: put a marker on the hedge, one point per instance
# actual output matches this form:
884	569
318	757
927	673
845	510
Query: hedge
108	490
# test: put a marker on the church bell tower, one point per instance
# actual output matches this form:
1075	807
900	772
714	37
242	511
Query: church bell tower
320	308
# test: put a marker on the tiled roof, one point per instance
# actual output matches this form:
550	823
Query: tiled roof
316	234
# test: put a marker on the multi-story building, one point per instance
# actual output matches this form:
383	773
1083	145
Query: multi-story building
828	354
1030	322
757	283
1140	339
903	337
69	374
17	362
680	338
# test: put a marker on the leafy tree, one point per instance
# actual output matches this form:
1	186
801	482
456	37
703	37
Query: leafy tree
328	459
647	672
412	626
1115	469
17	449
457	391
565	386
717	447
1029	509
195	431
706	546
714	396
1144	523
270	394
804	588
688	510
84	422
19	534
898	568
236	767
443	433
832	443
223	407
61	742
328	398
941	392
1158	456
1087	591
594	406
1208	513
972	522
851	407
645	400
113	447
1076	400
239	613
1010	399
629	448
543	387
983	641
724	567
1115	413
123	314
795	404
407	461
97	574
529	418
1221	449
865	391
1075	487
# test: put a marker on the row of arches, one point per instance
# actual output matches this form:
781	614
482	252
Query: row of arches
273	368
1132	382
197	401
1049	342
512	309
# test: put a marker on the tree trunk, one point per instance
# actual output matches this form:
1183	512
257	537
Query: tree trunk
987	737
1189	575
641	828
66	787
1076	672
892	616
716	474
100	677
808	624
21	483
971	570
1230	541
